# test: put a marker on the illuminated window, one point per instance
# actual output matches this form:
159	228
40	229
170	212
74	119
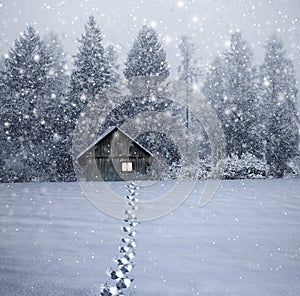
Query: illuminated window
127	166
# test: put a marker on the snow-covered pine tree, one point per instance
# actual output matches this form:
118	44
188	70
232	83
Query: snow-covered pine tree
231	87
279	100
214	87
112	57
92	72
35	81
239	96
58	80
4	115
26	79
147	56
56	113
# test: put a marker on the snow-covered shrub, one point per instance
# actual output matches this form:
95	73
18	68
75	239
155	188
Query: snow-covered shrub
294	167
199	169
248	166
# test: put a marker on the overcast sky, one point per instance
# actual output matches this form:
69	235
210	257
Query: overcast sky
209	22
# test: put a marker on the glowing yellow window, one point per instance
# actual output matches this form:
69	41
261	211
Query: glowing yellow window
127	166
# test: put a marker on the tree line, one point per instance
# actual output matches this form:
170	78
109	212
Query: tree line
40	102
257	108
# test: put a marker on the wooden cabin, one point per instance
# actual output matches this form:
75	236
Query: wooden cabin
115	156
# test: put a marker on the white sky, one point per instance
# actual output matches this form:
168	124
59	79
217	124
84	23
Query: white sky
209	22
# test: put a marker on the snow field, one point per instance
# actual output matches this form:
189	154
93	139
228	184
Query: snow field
246	241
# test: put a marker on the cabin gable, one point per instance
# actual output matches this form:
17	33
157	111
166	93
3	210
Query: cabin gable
116	156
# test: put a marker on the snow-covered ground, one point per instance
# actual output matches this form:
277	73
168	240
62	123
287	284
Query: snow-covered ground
246	241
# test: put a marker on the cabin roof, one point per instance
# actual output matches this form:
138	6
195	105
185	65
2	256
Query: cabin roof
107	132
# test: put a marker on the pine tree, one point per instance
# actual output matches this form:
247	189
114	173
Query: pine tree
26	69
55	132
279	100
35	81
147	56
92	72
112	58
3	121
91	75
57	79
26	79
230	87
214	87
240	113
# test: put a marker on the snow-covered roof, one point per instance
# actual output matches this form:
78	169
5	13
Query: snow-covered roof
107	132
